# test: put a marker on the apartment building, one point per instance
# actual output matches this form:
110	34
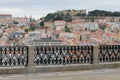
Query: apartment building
92	26
59	24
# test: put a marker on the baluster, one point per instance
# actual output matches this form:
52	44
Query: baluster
82	59
8	55
87	58
49	51
78	56
113	57
4	58
36	58
18	55
14	56
40	51
41	58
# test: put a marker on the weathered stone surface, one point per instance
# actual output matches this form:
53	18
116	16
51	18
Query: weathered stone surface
103	74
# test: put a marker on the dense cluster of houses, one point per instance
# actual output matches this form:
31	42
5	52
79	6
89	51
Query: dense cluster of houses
99	31
81	32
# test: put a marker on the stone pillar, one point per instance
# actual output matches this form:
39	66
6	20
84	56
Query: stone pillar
95	56
31	65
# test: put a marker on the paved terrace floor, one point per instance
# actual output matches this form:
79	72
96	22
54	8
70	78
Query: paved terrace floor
104	74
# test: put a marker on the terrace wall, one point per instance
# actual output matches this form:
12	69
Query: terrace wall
104	56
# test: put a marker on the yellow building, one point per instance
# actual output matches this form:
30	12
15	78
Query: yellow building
48	24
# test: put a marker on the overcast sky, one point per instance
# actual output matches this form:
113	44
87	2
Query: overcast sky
39	8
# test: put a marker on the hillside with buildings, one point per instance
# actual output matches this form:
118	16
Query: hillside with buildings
57	29
94	27
69	15
66	15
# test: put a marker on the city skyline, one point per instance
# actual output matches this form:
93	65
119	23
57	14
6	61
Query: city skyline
40	8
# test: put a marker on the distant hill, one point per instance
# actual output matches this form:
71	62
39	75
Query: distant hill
103	13
69	15
65	15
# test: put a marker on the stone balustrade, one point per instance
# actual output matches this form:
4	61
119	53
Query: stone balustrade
61	55
109	53
23	59
13	56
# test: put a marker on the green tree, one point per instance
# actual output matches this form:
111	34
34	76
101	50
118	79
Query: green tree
42	23
57	35
103	26
80	38
103	13
50	16
58	16
33	26
67	29
46	27
68	14
80	14
15	22
27	29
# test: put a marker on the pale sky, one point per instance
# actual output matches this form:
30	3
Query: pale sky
39	8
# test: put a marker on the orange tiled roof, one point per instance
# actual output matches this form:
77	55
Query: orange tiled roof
5	15
59	21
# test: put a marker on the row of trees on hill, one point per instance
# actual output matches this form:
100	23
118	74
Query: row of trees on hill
103	13
58	16
67	17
